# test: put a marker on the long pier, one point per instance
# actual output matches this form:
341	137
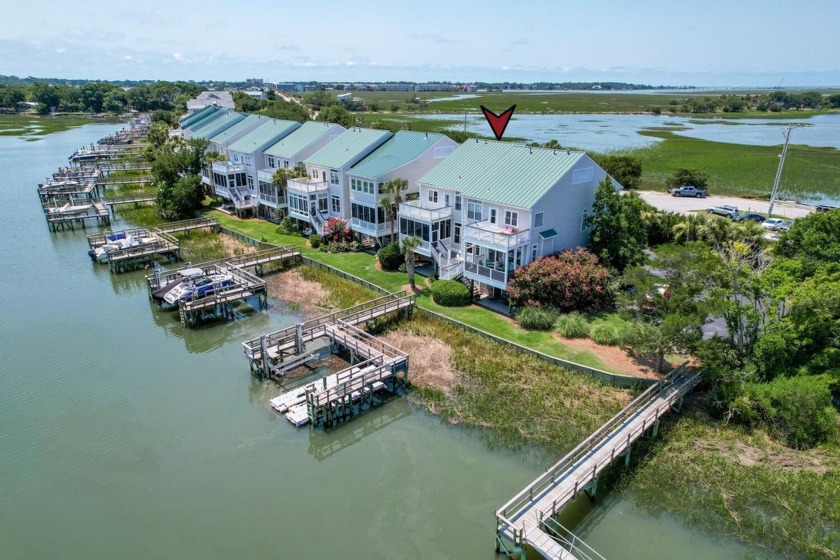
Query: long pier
70	214
528	518
130	199
268	354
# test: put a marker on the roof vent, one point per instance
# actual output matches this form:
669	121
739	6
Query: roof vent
530	150
568	152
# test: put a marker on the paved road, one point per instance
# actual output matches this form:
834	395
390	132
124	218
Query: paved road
665	201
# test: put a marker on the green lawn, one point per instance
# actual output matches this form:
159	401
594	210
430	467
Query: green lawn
34	127
362	266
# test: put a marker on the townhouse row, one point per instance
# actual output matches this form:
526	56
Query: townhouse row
481	209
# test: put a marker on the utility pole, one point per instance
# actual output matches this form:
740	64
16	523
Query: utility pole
775	190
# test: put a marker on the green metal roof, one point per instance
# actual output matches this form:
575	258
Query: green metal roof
403	147
300	139
220	121
206	119
548	234
231	132
348	147
501	172
187	120
266	133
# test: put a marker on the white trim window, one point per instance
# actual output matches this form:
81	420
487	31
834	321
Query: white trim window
235	157
493	213
583	216
271	162
433	196
538	219
333	176
511	218
474	210
336	204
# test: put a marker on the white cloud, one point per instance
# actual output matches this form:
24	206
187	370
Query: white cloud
127	57
177	56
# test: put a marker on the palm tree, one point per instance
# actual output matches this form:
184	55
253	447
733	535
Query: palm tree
408	245
688	228
393	189
281	177
388	209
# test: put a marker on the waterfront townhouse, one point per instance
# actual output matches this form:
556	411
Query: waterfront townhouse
213	125
408	155
289	153
325	191
224	177
246	155
491	207
193	118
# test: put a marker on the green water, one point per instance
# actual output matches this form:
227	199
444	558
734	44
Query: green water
123	435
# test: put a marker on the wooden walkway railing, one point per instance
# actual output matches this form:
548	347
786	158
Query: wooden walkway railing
546	496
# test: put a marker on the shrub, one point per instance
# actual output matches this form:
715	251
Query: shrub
609	335
571	280
315	240
572	325
336	230
288	226
797	409
450	293
390	257
536	318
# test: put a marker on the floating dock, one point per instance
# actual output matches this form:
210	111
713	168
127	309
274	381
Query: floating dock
376	368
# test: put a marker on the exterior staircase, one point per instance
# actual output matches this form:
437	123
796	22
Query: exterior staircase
450	265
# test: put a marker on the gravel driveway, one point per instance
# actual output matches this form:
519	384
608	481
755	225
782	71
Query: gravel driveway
665	201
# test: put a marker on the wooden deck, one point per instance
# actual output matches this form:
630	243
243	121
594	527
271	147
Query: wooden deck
244	285
130	199
376	366
524	517
69	218
265	352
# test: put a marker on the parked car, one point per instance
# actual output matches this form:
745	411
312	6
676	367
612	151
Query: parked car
749	216
772	223
688	191
724	210
784	226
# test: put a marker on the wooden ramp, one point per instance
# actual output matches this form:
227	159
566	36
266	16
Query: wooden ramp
529	512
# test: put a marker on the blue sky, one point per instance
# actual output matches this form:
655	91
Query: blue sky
727	43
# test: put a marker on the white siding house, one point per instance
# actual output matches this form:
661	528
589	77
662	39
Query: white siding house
492	207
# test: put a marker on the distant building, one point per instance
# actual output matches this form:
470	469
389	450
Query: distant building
255	82
345	97
221	99
471	88
257	94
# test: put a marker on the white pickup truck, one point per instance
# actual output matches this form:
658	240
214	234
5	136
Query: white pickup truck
688	191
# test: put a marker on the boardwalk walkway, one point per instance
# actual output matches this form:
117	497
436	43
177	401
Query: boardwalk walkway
527	517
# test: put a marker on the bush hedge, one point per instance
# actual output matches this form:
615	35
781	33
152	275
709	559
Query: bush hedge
609	335
572	325
536	318
390	257
450	293
315	240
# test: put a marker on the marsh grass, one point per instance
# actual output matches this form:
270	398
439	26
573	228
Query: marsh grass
572	325
198	246
728	480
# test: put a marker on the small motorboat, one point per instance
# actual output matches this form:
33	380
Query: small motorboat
185	275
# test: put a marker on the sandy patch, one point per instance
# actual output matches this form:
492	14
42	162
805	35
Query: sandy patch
613	357
772	455
289	286
429	360
234	247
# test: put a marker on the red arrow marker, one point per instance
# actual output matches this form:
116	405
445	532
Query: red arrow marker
498	122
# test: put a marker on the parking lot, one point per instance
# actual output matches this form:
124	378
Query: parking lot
665	201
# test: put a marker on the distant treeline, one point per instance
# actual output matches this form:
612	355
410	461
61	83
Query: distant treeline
99	97
774	102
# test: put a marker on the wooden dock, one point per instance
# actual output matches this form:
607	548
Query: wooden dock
528	518
70	215
188	225
130	199
376	366
51	191
221	302
267	353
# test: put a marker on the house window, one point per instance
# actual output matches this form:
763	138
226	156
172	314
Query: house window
446	200
333	177
324	176
533	253
285	164
583	217
235	157
511	218
457	237
250	182
457	202
492	215
433	196
473	210
271	162
336	205
538	219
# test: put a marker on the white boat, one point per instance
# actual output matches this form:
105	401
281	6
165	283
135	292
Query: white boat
184	275
70	208
200	287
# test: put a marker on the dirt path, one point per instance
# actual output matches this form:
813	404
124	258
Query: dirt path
614	358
